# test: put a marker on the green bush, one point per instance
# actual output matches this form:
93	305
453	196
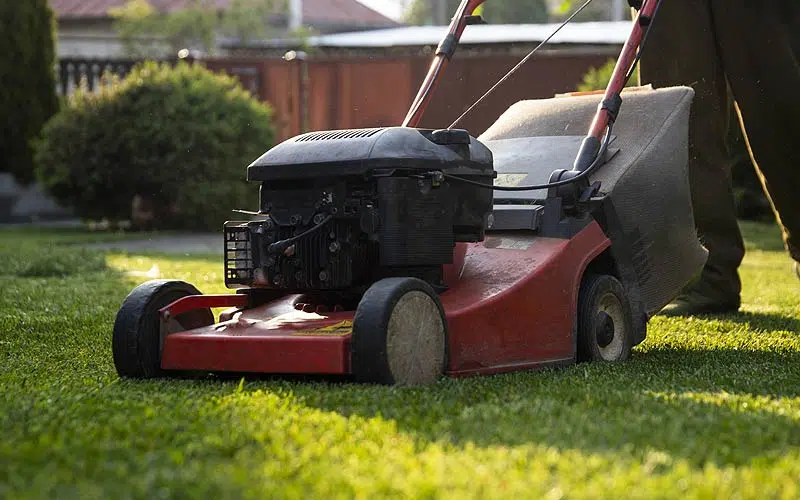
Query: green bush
421	12
166	148
598	78
27	95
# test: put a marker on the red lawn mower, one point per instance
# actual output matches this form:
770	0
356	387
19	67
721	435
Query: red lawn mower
398	255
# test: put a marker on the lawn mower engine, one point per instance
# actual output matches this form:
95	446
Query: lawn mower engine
342	210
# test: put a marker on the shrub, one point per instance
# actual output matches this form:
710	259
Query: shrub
598	78
28	96
171	144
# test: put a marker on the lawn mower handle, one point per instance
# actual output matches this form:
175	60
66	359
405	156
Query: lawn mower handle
609	107
447	47
607	110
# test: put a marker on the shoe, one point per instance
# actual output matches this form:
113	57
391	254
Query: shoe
716	291
683	306
694	302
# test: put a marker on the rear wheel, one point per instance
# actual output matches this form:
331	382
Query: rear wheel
138	339
605	322
399	334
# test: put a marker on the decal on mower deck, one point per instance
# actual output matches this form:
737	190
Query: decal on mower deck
509	180
337	330
516	243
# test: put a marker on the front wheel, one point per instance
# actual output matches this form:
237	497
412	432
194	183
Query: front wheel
138	339
605	321
399	334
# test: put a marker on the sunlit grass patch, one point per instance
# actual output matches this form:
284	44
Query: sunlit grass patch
708	407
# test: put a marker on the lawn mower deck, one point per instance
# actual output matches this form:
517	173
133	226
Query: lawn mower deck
502	313
397	255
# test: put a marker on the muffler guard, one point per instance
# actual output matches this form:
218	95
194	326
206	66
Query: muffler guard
649	218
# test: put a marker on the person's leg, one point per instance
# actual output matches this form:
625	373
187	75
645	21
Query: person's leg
760	49
682	50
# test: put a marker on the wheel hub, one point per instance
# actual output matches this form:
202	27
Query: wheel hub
610	326
414	340
604	330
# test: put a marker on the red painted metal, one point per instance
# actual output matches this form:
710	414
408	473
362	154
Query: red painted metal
511	306
514	307
278	354
192	302
255	341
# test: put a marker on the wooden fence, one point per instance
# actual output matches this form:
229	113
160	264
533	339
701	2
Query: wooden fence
354	92
336	93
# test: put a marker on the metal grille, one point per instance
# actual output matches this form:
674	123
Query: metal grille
338	134
238	254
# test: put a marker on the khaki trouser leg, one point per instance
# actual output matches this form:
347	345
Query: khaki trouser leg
682	50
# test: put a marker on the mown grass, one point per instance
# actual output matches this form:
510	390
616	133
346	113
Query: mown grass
707	408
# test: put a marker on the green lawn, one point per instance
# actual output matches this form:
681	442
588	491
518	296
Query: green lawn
707	408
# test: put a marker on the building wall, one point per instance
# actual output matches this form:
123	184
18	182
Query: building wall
97	39
89	39
95	48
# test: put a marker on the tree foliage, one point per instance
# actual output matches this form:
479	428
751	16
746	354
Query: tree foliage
28	96
252	19
598	78
141	27
196	26
173	143
598	10
516	11
420	12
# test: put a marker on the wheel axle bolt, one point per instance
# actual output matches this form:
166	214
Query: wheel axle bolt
604	329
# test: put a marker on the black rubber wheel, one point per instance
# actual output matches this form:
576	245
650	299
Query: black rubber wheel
605	322
399	334
137	341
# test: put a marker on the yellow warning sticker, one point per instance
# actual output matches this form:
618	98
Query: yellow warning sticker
338	330
509	180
